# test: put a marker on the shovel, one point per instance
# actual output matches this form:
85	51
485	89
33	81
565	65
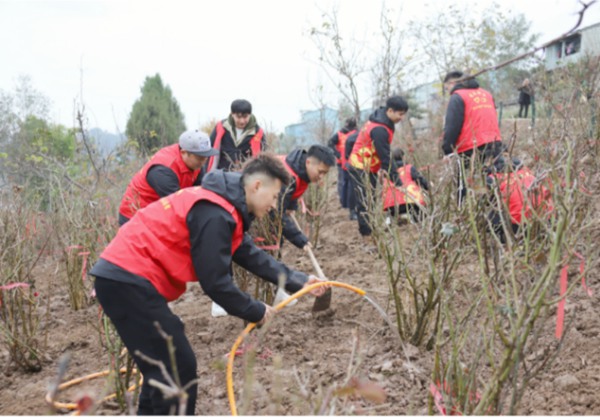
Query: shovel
323	302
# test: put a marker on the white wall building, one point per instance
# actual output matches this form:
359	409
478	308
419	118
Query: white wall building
585	41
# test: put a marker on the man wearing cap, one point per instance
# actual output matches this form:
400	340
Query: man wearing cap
170	169
238	138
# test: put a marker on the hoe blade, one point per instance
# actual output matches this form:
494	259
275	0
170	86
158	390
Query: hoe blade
322	303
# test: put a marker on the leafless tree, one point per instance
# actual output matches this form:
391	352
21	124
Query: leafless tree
390	62
340	58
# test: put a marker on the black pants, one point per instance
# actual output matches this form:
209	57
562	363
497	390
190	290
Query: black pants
342	187
521	108
361	194
350	194
413	210
482	154
133	309
498	228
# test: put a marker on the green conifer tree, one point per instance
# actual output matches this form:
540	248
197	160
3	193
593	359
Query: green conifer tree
156	119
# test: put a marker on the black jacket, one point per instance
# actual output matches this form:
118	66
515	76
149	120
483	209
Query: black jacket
164	181
381	142
211	231
297	161
230	153
524	95
455	116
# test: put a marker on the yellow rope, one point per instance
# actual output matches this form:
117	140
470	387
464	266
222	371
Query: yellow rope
249	327
68	384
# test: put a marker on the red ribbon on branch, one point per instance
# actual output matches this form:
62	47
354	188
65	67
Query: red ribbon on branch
564	278
84	265
13	286
438	400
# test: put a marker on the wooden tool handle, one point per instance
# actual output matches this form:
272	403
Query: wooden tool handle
316	265
314	261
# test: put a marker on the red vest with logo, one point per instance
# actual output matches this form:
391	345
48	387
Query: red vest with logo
156	245
480	124
521	199
341	147
139	193
364	156
213	161
408	193
301	185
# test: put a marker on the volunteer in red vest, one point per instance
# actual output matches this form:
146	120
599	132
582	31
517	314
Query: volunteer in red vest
191	235
170	169
304	168
371	154
471	125
410	198
238	138
337	143
522	195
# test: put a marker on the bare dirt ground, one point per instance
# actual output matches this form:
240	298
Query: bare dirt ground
302	357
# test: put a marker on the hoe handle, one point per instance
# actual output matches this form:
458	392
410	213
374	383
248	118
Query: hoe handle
313	260
316	265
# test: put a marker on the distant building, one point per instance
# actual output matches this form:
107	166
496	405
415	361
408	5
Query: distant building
571	48
314	125
317	126
428	99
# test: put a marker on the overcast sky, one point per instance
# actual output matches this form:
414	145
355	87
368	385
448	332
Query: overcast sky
208	52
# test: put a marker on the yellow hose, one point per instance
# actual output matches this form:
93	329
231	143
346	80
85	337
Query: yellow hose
65	385
250	326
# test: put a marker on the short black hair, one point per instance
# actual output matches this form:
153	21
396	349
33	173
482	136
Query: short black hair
267	164
397	103
322	154
397	153
241	106
350	123
501	164
454	74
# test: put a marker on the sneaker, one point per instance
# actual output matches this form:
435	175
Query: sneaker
217	311
280	296
353	215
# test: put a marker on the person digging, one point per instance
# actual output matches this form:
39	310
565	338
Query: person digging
191	235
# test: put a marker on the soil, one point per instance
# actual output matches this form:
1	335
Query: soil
304	357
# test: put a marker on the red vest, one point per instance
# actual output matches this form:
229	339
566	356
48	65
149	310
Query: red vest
408	193
301	185
213	161
515	186
480	124
156	245
364	156
341	147
139	193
